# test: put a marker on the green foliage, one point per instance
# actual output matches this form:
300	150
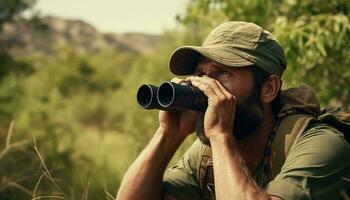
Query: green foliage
213	12
69	99
81	109
11	8
315	36
318	51
11	70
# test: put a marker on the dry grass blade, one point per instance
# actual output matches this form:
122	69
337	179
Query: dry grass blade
87	191
9	134
6	182
36	186
8	140
50	197
46	172
108	195
8	144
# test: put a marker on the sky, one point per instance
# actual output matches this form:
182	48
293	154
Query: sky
117	16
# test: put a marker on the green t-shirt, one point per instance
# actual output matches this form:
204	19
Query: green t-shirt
316	167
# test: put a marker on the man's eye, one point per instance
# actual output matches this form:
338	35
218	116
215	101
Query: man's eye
224	73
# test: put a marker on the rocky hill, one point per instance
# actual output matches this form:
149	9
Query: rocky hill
43	35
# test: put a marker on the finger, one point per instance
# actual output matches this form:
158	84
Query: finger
219	88
220	91
210	83
177	80
223	89
205	88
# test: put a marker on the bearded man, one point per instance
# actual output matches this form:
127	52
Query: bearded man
254	140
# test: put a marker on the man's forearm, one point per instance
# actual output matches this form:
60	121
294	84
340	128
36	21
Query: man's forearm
143	180
232	179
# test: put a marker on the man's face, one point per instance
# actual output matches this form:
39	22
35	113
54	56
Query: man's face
239	82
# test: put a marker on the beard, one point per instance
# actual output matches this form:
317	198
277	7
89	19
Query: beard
248	117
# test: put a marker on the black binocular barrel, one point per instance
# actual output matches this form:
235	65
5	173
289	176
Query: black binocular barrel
171	96
147	97
181	97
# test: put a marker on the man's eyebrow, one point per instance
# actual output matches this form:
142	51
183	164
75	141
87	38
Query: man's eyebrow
221	66
216	66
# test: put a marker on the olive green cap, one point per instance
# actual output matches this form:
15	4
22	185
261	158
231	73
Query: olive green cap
235	44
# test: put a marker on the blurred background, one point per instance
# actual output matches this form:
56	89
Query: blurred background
70	69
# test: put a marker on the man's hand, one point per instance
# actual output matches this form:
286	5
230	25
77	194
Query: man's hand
220	113
229	167
178	123
143	180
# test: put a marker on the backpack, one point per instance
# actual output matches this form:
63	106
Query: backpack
299	108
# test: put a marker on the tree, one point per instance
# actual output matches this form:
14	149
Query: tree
11	91
9	9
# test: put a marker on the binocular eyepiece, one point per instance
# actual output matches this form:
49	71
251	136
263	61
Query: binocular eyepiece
171	96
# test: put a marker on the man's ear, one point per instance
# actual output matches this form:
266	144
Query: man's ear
270	88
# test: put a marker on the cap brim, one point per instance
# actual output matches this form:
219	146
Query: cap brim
183	60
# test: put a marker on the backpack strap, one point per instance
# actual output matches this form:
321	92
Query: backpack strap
290	128
205	174
338	119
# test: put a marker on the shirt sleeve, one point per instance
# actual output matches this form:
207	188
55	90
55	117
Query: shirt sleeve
181	180
315	166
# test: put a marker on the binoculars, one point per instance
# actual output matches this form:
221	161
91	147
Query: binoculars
171	96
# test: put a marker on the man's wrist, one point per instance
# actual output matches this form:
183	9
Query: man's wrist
169	138
222	139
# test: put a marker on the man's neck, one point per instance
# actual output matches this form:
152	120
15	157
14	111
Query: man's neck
252	148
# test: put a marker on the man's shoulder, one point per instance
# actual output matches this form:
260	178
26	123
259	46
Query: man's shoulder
315	166
321	144
323	133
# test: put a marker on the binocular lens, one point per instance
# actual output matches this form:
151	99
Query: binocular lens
166	94
145	96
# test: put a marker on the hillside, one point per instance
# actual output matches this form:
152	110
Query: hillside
45	34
